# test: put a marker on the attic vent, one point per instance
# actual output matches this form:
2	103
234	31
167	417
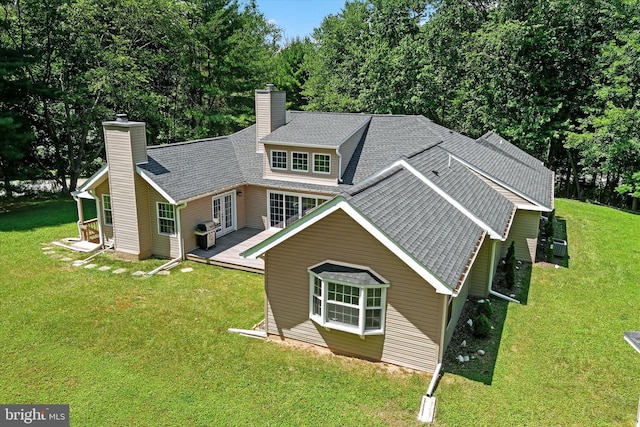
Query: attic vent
122	117
436	173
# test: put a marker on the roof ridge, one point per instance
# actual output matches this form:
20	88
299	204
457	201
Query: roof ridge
193	141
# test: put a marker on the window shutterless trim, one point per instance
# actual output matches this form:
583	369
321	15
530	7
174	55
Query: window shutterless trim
328	172
105	210
293	153
271	162
163	218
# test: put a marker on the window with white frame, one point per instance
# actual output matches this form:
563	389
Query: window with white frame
285	208
107	214
166	219
299	162
347	298
321	163
278	159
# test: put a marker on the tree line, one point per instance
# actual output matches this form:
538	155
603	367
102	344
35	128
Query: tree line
559	78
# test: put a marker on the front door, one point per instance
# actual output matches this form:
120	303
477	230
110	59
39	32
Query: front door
224	210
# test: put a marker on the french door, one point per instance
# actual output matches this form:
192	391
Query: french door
285	208
224	210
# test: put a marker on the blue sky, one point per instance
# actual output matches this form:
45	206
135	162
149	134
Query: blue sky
298	18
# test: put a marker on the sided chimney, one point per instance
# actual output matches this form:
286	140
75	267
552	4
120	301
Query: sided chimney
126	146
270	112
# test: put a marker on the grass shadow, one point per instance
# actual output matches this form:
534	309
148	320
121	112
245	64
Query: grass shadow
482	352
29	214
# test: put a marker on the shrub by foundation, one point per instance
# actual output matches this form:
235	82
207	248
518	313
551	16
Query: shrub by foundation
481	326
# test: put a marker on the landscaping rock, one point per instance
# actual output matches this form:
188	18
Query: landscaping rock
480	352
466	358
470	322
463	343
460	359
512	295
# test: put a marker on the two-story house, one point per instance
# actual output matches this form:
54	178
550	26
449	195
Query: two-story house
371	229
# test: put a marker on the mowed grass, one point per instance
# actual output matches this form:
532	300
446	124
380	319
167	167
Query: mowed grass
562	359
130	351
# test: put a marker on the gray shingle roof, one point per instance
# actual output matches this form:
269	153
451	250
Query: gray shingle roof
189	169
465	187
419	220
317	129
342	273
387	139
508	165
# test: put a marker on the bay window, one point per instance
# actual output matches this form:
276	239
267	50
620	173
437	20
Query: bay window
347	298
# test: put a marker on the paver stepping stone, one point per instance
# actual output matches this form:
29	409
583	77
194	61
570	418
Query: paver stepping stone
54	255
119	271
186	270
105	268
90	266
66	259
46	248
138	273
164	272
48	253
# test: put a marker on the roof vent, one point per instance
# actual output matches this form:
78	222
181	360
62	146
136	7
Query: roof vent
122	118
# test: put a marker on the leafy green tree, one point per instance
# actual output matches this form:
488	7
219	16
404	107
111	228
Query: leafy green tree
290	74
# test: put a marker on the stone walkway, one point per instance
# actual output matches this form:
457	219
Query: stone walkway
51	252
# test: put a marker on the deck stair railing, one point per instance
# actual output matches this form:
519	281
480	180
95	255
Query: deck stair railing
89	230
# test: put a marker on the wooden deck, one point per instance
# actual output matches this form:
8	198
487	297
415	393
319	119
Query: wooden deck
226	252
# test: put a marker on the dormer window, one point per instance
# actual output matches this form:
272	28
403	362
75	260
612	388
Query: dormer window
321	163
299	162
278	160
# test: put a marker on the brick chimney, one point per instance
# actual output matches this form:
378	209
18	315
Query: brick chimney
270	112
126	146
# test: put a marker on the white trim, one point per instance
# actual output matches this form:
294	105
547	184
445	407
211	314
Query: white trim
347	264
290	193
313	158
155	186
402	163
158	218
340	203
286	159
234	212
362	306
98	177
292	162
540	206
104	216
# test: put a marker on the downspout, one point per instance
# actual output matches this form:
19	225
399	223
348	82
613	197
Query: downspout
436	373
339	165
180	238
492	268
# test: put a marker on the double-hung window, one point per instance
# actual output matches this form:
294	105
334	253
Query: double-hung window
321	163
107	213
347	298
299	162
166	219
278	160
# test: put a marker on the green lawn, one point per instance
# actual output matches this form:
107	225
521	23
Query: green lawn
563	360
123	350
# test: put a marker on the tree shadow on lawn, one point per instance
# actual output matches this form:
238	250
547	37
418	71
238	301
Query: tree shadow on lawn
29	214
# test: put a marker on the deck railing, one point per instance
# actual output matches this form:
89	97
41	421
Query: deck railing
89	230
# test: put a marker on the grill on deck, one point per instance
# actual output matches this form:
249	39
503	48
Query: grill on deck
206	234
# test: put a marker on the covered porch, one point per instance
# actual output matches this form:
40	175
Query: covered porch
226	252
